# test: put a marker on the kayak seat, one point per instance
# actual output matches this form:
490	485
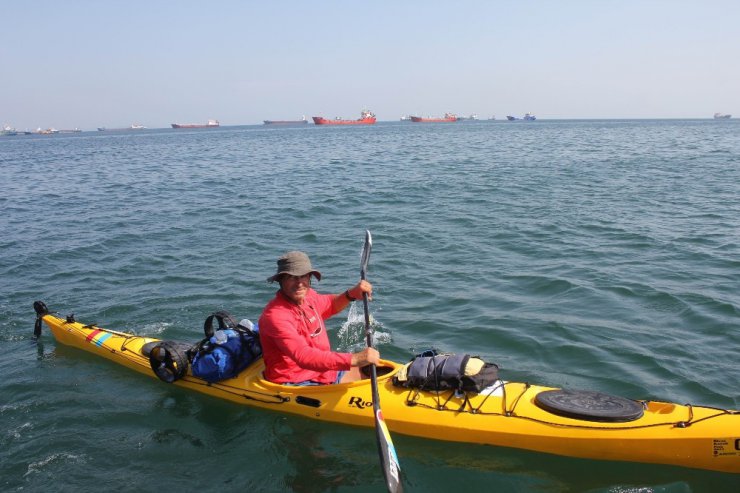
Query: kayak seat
589	405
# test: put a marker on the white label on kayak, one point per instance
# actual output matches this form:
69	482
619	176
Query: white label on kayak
726	447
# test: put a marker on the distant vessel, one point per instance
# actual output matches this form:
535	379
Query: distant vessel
133	126
722	116
406	118
449	117
70	131
302	121
493	117
10	131
527	116
472	117
366	118
210	124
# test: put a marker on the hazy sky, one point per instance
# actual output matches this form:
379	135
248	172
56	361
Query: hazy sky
90	63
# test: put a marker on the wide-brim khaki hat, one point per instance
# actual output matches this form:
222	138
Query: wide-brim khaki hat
294	264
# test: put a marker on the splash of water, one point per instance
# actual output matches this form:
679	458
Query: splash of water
352	332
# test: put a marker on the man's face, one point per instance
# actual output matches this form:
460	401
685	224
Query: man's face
295	287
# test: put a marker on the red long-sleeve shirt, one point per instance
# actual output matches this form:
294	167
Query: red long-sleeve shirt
295	345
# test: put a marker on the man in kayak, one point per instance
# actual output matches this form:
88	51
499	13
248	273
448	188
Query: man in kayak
295	345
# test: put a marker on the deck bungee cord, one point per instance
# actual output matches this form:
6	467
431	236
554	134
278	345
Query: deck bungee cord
443	399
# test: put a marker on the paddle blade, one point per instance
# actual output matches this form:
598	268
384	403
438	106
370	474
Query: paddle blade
366	254
388	458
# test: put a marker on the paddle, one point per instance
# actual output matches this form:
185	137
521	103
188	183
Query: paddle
388	458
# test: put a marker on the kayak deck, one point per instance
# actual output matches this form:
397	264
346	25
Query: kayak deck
505	414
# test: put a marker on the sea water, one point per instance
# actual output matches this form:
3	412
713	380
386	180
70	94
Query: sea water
597	255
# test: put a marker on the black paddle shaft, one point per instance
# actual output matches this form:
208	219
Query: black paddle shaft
386	450
363	275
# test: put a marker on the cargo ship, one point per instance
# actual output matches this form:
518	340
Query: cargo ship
527	116
134	126
722	116
366	118
449	117
210	124
302	121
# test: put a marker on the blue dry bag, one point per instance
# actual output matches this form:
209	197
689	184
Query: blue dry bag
227	351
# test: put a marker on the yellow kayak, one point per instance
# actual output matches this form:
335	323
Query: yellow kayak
505	414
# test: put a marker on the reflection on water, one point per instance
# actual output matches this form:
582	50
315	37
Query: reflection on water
323	459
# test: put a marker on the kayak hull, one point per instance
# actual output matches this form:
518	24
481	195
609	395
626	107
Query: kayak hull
505	414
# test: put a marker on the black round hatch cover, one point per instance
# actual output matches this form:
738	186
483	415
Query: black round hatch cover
589	405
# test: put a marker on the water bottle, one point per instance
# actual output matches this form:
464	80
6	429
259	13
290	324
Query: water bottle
219	337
